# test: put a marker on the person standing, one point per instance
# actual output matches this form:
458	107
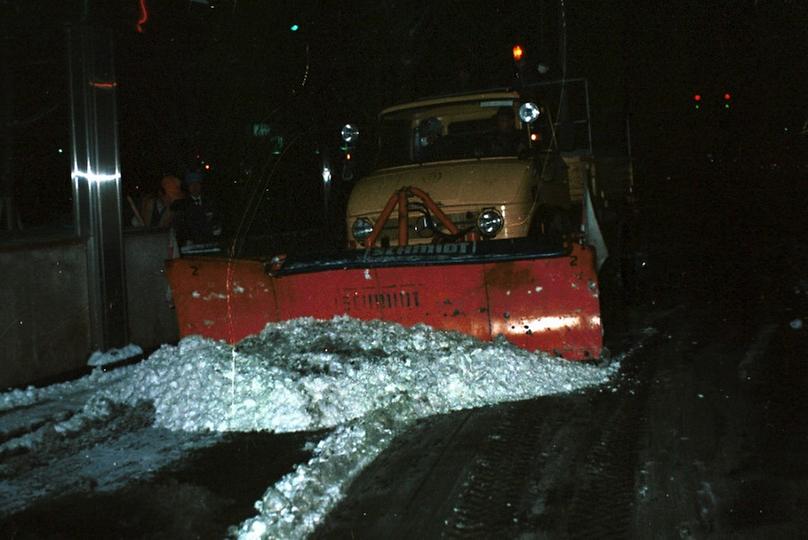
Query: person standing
197	218
155	210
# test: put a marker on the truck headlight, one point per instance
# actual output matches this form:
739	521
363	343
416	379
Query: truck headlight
361	229
489	222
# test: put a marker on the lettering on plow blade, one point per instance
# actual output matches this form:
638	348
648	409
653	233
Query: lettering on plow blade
371	299
459	248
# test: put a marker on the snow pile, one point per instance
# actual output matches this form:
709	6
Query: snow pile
99	358
308	374
370	380
22	398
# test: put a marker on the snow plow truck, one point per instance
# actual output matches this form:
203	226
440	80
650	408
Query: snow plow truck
472	220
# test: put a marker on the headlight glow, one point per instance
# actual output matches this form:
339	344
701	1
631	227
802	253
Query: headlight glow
361	229
489	222
529	112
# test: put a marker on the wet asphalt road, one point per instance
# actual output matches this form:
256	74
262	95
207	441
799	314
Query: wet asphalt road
703	434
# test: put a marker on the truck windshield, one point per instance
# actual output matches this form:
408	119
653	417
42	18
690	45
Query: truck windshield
448	131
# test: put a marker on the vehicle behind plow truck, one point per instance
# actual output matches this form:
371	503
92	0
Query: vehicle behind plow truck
466	224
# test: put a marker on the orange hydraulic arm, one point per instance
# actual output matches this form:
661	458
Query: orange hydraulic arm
401	198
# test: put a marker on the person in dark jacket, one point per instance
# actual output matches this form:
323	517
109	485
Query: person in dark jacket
197	219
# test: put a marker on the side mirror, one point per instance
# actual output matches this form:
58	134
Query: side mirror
350	134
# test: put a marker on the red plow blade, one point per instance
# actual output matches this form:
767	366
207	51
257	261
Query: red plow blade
547	303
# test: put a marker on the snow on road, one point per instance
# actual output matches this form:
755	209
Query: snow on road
367	380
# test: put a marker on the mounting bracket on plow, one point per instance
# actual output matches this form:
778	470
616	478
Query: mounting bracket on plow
401	198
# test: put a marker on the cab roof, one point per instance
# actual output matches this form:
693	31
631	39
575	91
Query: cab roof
500	93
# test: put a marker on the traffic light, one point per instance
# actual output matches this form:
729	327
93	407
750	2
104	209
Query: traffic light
713	101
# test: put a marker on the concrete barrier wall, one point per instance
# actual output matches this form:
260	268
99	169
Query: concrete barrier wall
44	319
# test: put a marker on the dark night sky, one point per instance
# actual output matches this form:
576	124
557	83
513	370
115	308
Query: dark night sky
197	77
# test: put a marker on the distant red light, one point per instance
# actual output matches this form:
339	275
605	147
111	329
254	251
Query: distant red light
207	166
518	52
103	84
727	96
697	97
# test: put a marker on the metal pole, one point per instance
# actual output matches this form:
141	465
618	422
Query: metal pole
97	180
588	116
327	176
7	204
630	156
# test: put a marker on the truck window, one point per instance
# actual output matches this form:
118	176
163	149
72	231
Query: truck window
395	148
450	131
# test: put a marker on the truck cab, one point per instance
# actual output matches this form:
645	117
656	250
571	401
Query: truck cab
487	160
